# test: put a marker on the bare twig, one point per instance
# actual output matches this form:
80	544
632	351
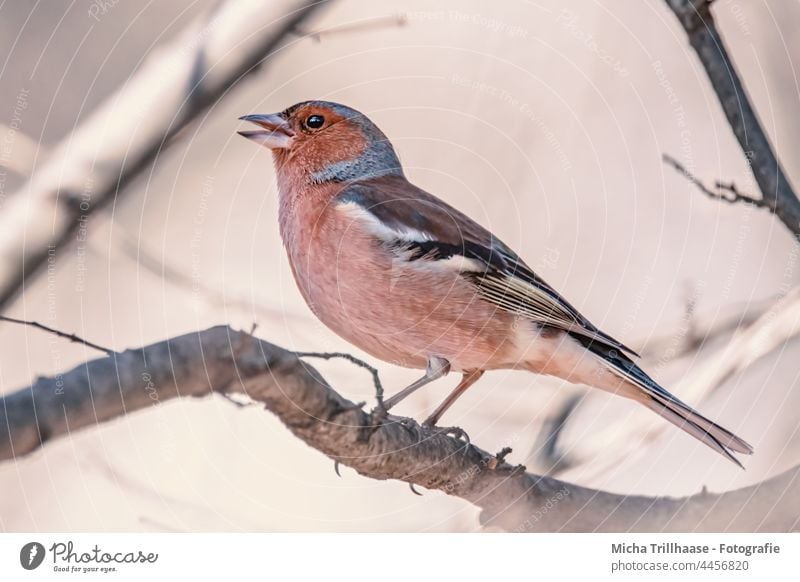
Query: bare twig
776	192
376	379
725	192
70	336
223	360
136	252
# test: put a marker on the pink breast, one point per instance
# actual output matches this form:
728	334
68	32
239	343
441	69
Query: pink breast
396	311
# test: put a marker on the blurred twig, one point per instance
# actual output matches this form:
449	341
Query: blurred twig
368	24
546	453
159	267
173	87
776	327
776	193
703	329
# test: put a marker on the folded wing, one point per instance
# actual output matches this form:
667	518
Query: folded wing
422	229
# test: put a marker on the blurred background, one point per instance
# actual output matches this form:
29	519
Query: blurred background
546	121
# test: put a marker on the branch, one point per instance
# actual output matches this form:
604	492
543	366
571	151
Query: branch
777	194
774	329
134	250
221	360
725	192
174	86
70	336
699	330
367	24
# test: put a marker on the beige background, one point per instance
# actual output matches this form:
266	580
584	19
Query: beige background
546	121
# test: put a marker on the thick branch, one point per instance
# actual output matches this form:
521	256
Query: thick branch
777	194
226	361
175	86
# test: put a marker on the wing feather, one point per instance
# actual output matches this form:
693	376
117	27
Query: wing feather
422	229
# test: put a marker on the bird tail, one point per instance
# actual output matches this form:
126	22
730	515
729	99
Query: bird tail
706	431
668	406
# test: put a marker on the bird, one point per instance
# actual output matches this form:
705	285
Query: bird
412	281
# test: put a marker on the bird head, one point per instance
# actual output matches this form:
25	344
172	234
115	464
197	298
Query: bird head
320	141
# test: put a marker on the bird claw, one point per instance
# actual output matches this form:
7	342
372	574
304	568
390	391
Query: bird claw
379	415
234	401
409	424
454	431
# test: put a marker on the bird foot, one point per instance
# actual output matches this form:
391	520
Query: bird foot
378	416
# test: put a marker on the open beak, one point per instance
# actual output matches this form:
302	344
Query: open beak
276	132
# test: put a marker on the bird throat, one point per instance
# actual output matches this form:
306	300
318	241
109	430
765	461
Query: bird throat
377	160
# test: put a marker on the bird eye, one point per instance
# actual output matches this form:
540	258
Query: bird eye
314	121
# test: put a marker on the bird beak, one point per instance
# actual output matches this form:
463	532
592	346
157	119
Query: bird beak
278	134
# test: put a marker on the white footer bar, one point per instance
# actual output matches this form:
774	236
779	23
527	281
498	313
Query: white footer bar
399	557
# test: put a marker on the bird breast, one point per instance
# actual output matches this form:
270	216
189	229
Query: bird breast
395	310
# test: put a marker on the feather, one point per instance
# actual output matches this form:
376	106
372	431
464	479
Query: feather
691	428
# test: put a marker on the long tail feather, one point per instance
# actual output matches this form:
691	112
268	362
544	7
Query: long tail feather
691	428
670	407
720	434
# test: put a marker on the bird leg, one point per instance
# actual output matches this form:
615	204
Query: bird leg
437	368
467	380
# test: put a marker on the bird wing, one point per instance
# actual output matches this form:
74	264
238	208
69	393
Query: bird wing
419	227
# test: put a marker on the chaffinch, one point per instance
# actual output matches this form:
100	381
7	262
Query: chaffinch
412	281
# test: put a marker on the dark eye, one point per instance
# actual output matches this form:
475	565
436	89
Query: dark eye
314	121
